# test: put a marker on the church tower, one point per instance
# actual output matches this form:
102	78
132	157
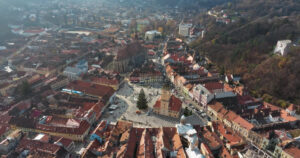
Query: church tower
165	98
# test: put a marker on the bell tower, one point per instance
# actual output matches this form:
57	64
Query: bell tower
165	98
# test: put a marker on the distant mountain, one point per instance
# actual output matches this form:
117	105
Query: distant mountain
245	46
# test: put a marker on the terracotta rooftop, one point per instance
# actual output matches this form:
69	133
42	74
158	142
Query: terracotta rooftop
146	146
292	151
230	116
4	129
246	99
292	107
286	116
211	86
81	129
136	141
244	123
91	89
104	80
34	145
216	106
175	104
231	137
211	139
129	51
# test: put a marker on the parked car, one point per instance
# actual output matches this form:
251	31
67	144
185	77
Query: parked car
208	118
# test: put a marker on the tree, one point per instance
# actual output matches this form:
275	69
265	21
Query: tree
187	112
222	70
25	89
142	101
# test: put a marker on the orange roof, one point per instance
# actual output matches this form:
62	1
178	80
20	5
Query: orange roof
273	107
211	139
104	80
213	86
157	104
37	145
222	112
216	106
232	138
4	129
293	151
225	153
292	107
175	104
286	116
228	88
136	141
244	123
91	89
189	86
146	146
230	116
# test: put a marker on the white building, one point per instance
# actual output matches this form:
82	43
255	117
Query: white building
150	35
205	93
282	47
190	134
72	73
184	29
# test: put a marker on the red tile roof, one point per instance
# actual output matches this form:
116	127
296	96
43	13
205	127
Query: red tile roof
293	151
292	107
80	130
92	89
157	104
26	144
231	137
4	119
230	116
286	116
243	123
211	86
104	80
129	51
136	141
246	99
225	153
175	104
216	106
4	129
146	146
65	142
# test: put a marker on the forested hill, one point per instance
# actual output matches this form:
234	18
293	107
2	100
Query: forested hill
245	46
175	3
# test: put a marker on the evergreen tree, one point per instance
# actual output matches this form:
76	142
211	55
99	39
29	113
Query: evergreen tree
25	89
142	101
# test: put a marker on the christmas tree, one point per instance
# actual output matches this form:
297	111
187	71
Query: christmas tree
142	101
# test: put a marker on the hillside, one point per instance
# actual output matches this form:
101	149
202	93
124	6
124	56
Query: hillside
189	4
245	46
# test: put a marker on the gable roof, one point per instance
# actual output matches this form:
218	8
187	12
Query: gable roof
244	123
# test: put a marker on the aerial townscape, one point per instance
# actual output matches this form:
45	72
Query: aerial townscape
150	78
